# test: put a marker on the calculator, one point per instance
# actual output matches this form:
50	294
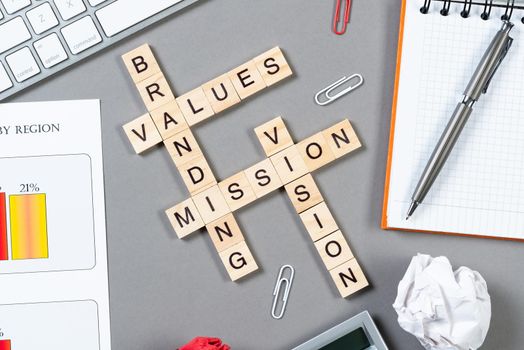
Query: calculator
357	333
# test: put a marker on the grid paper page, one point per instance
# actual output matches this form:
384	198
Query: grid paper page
480	190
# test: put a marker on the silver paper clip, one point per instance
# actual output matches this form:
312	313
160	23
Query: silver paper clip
328	90
280	281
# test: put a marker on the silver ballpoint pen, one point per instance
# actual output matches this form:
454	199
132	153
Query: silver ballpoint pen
478	85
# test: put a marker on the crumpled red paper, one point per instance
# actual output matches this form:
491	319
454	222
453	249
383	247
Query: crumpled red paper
204	343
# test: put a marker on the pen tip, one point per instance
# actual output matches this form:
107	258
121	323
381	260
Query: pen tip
411	209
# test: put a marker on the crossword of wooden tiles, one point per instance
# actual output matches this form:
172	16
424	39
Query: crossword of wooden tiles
287	164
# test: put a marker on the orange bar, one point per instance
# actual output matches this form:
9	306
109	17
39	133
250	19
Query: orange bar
5	344
28	216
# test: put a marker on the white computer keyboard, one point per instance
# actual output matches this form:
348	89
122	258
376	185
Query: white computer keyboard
38	38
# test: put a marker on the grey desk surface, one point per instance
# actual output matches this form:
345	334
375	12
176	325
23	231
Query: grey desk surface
165	291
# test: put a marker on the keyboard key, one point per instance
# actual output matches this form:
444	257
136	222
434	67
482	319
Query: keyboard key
13	33
50	50
122	14
96	2
70	8
42	18
11	6
5	82
81	35
22	64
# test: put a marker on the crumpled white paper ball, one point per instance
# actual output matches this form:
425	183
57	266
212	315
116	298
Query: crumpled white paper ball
444	309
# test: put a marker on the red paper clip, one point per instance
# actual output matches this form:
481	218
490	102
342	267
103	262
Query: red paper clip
337	17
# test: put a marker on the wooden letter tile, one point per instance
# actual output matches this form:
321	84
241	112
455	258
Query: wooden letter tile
155	91
289	164
318	221
185	218
141	63
195	106
225	232
263	178
169	120
211	204
273	66
315	151
238	261
197	175
220	93
183	147
237	191
349	278
304	193
341	138
142	133
247	79
334	250
273	136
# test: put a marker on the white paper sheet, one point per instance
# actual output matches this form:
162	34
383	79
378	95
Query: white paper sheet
53	269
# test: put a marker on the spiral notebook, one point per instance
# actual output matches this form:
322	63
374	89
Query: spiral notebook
480	190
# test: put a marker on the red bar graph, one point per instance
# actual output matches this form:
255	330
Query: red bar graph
5	344
3	236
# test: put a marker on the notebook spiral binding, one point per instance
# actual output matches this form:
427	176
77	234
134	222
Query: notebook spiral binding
508	5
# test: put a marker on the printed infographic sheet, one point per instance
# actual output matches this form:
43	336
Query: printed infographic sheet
53	255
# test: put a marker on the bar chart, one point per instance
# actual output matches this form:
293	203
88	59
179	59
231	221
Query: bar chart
46	217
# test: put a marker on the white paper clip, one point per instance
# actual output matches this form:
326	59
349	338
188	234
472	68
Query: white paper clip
280	281
328	90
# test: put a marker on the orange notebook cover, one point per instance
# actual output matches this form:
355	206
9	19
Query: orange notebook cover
480	191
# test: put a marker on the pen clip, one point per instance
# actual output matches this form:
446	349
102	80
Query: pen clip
500	59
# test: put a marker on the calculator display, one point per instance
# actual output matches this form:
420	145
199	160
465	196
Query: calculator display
356	340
